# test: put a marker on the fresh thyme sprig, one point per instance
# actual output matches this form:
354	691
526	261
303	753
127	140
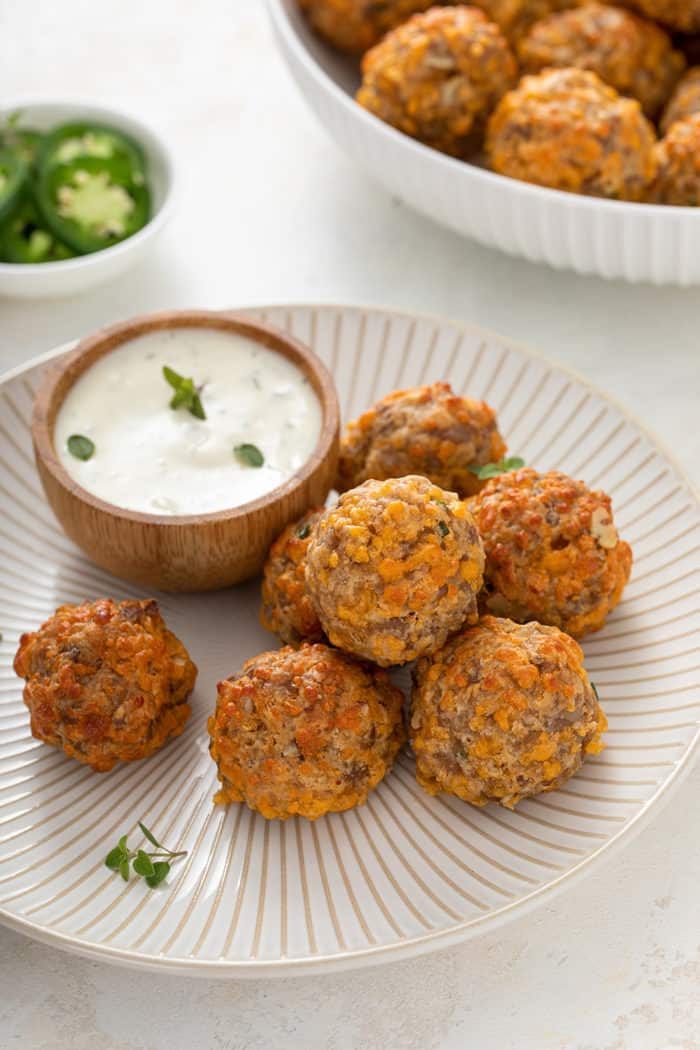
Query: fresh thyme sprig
491	470
186	393
143	863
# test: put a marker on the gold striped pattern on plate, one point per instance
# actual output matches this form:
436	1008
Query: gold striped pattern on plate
405	871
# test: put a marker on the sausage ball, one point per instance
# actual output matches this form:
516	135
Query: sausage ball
394	568
106	681
426	430
678	160
355	25
438	76
566	129
685	100
286	607
303	732
683	15
502	712
631	54
552	551
514	17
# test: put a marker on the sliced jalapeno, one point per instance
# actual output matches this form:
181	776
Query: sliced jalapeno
70	141
13	175
23	142
92	202
24	237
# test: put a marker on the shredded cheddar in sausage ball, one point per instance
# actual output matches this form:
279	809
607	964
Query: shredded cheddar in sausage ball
502	712
678	155
106	681
683	15
286	607
566	129
629	53
303	732
552	551
426	430
684	102
514	17
355	25
394	568
438	76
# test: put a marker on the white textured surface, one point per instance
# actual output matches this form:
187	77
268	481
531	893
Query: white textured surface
639	242
615	963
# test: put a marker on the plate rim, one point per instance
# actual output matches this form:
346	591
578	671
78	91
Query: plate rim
411	947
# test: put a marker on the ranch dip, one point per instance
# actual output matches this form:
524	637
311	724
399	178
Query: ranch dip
149	457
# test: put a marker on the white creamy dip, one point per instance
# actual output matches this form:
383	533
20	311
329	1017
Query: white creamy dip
151	458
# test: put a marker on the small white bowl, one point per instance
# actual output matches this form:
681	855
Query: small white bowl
638	242
52	279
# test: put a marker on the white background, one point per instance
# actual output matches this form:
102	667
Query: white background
270	211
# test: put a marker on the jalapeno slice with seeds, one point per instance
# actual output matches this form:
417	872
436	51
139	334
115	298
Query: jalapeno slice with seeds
24	237
71	141
13	175
92	202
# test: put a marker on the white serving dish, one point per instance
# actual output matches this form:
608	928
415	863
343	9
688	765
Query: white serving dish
405	873
638	242
49	280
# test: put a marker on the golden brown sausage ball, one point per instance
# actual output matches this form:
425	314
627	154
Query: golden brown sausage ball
394	568
685	100
678	160
355	25
502	712
566	129
303	732
438	76
425	430
514	17
552	551
683	15
106	681
286	607
631	54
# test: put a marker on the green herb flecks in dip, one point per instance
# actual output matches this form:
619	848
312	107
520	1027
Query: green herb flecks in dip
164	448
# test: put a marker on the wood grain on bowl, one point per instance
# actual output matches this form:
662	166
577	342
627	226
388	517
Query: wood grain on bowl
193	552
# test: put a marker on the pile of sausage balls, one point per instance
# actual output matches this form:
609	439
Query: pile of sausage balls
482	585
571	94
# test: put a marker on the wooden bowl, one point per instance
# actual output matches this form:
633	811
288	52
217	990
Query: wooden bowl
189	552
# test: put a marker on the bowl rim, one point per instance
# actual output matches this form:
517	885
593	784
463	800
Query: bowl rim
106	114
283	24
49	399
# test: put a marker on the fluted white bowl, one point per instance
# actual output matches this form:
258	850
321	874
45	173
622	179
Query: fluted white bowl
638	242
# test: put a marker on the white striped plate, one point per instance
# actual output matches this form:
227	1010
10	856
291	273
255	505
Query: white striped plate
405	873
